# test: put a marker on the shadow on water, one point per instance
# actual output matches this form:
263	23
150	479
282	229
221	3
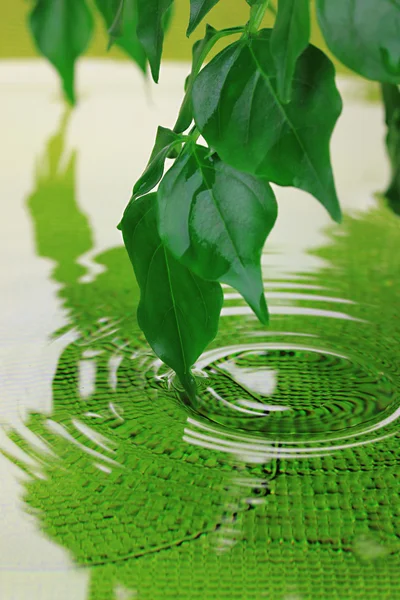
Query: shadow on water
280	459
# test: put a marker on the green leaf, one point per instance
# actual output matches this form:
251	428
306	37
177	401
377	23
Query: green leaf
185	116
391	99
178	312
215	220
198	10
116	28
289	39
62	31
364	35
200	50
166	141
153	16
238	111
121	19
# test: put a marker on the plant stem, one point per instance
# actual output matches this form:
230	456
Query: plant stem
194	134
257	13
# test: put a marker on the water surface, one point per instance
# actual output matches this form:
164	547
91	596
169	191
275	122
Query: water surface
283	482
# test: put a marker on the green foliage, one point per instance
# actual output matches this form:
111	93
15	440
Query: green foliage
215	220
201	49
165	143
235	102
178	312
364	35
198	10
152	19
266	106
289	39
121	19
62	31
391	99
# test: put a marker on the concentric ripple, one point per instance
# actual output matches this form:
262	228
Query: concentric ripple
293	389
267	399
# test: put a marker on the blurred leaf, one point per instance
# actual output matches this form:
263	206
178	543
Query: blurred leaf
391	99
121	19
153	18
62	31
364	35
116	28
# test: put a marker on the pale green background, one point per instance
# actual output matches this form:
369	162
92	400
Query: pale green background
15	41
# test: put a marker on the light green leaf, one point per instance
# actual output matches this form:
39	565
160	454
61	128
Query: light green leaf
121	18
198	10
178	312
166	141
215	220
238	111
62	31
153	16
289	39
364	35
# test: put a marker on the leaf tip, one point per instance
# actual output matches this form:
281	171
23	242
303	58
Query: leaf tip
189	385
259	307
336	214
155	72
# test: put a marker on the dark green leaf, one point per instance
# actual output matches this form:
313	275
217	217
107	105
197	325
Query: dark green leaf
121	19
391	98
237	110
185	116
62	31
289	39
178	312
164	138
153	16
201	48
166	141
198	10
215	220
364	35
